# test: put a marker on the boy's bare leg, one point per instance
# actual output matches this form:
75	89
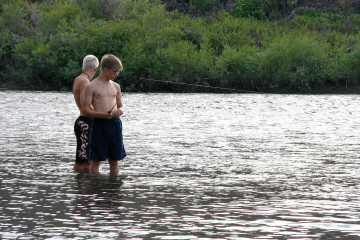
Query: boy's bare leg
114	167
94	168
81	166
78	167
86	166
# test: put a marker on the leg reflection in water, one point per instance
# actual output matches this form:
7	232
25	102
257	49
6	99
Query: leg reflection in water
98	197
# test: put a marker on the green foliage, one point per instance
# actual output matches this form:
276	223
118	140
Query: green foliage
58	16
260	9
33	62
321	22
295	62
237	68
42	43
100	9
5	43
19	18
200	7
348	68
135	9
182	61
249	9
5	52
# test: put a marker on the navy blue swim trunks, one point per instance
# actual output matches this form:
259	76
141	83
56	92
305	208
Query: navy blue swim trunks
82	129
106	140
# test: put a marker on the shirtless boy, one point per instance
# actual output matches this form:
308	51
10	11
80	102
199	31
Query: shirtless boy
82	126
104	95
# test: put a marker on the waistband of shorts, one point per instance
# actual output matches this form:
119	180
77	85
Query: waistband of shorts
84	118
105	119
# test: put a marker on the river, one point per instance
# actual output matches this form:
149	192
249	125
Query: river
199	166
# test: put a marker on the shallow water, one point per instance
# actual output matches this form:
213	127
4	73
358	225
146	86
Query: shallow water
199	166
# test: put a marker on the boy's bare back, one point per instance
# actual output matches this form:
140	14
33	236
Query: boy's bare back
79	86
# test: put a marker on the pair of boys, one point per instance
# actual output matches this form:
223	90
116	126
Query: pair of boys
96	101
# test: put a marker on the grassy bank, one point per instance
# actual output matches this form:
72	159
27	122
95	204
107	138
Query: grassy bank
42	44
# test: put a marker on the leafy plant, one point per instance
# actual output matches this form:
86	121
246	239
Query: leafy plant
199	7
295	62
249	9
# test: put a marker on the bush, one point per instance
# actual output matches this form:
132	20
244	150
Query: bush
58	16
348	68
43	43
295	62
200	7
181	62
249	9
238	68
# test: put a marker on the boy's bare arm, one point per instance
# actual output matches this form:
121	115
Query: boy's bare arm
120	107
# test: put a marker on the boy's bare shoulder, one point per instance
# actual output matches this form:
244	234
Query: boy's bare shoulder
91	86
115	84
79	81
94	82
81	78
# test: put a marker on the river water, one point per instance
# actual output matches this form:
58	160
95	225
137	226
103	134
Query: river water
199	166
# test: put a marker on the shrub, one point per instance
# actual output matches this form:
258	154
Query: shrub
295	62
238	68
200	7
348	68
249	9
43	44
58	16
182	62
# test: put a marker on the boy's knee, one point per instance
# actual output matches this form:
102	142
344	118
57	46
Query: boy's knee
94	164
113	162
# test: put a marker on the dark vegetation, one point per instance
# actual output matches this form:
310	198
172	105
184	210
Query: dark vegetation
267	46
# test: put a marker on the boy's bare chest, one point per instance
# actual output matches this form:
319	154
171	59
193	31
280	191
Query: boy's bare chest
105	92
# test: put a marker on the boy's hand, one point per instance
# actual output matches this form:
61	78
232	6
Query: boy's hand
107	115
117	113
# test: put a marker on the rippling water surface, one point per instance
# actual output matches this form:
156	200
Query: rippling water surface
199	166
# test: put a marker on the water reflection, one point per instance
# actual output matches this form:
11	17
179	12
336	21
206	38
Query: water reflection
104	194
97	202
200	166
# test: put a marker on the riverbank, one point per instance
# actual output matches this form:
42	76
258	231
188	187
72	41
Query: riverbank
42	46
339	90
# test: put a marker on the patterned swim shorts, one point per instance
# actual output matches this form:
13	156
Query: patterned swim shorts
82	129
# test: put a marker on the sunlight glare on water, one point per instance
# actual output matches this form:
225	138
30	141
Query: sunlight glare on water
199	166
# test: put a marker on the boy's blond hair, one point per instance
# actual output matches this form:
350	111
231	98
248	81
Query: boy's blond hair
110	61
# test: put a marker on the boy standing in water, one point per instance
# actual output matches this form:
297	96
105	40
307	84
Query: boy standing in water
82	126
104	95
